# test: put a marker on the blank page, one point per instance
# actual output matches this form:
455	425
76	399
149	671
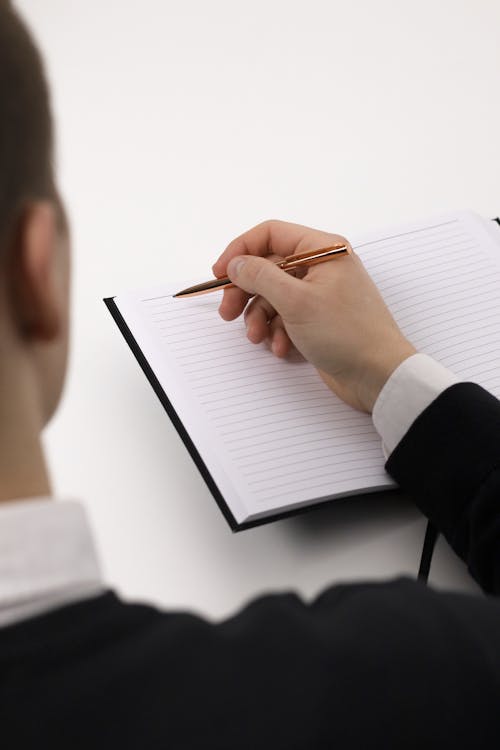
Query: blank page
270	432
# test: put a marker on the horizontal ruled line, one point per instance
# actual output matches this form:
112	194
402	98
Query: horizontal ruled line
310	485
405	234
424	252
283	379
367	464
328	452
249	393
284	422
331	431
451	306
307	407
422	298
333	442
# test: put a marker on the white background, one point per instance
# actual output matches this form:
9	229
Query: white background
181	124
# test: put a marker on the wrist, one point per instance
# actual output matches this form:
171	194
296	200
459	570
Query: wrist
375	376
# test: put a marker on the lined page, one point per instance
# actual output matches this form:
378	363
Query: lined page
442	284
270	432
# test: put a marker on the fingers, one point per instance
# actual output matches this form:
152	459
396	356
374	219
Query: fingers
273	237
278	337
260	276
233	303
258	315
262	323
234	300
261	240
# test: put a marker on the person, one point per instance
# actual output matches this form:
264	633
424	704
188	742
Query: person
368	665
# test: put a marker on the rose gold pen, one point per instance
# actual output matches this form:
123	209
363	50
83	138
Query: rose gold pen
288	264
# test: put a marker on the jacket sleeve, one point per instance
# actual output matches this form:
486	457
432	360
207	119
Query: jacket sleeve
449	463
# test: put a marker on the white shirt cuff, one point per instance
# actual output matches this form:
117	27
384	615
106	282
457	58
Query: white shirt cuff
412	387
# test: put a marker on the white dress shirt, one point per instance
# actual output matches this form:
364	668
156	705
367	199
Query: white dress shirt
412	387
47	555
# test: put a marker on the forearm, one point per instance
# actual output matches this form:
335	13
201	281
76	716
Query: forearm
449	462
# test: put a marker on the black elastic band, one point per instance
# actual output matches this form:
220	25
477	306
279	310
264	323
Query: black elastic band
431	534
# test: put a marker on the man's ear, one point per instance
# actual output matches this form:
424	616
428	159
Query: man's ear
36	294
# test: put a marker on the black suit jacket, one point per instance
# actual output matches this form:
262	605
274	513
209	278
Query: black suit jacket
391	665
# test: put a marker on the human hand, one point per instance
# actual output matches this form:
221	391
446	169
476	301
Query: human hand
335	316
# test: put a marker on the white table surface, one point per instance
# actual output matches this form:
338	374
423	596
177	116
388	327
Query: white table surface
181	124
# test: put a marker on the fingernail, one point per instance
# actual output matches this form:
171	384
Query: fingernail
274	347
234	267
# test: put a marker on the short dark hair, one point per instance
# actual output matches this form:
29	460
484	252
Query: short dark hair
26	132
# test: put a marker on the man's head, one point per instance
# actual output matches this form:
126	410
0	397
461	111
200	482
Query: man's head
33	234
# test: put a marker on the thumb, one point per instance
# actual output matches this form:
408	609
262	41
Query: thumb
261	276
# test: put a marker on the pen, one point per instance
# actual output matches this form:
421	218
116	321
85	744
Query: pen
288	264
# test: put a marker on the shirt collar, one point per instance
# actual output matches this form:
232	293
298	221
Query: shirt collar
47	557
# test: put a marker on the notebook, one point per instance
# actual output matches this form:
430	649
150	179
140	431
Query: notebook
267	435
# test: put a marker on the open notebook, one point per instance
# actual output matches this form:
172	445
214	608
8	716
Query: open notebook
267	435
